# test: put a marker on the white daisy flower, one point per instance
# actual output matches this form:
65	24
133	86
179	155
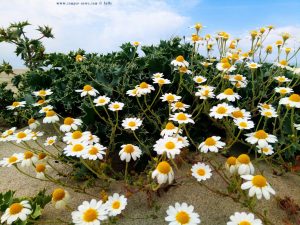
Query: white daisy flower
205	93
37	134
28	159
50	140
129	152
92	139
40	170
292	101
116	204
7	135
170	129
182	118
239	84
42	93
261	138
237	78
179	61
19	210
41	102
76	137
94	152
211	144
184	140
206	64
199	79
20	136
221	110
88	90
282	79
51	117
231	164
46	109
116	106
263	106
14	159
157	75
201	171
60	198
182	214
90	213
184	70
101	100
144	88
169	145
266	150
225	67
297	126
132	123
76	149
253	65
258	186
163	173
33	124
283	90
15	105
70	124
135	43
133	93
243	124
269	113
161	81
169	97
244	165
244	219
229	95
179	106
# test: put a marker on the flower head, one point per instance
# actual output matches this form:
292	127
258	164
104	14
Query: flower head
43	93
201	171
132	123
129	152
229	95
116	204
88	90
244	219
60	198
261	138
116	106
101	100
182	118
221	110
212	144
169	145
18	210
244	165
180	61
94	152
163	173
182	214
51	117
15	105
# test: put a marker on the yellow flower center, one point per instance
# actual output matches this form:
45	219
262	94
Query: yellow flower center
76	134
116	204
206	93
261	134
244	159
144	85
170	98
281	79
42	93
180	58
179	105
132	124
221	110
68	121
199	79
201	172
78	58
244	223
129	148
182	217
40	168
282	91
164	167
101	100
42	156
283	62
238	77
231	160
170	145
77	148
259	181
16	104
87	88
21	135
116	106
90	215
28	155
58	194
181	116
183	69
10	132
266	106
31	121
170	126
50	113
294	98
15	208
243	124
12	159
268	114
93	151
210	141
161	81
41	101
265	149
228	91
51	141
226	65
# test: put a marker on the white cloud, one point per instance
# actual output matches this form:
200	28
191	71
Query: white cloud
96	28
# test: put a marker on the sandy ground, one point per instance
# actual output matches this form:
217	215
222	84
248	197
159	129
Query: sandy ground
7	78
213	209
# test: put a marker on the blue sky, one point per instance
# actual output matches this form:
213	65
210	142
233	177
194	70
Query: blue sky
103	29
